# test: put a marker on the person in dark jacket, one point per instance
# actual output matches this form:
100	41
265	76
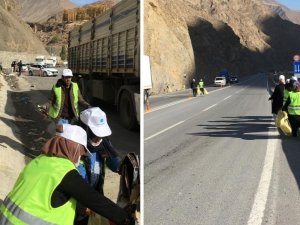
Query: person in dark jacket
63	106
194	87
277	96
92	167
50	190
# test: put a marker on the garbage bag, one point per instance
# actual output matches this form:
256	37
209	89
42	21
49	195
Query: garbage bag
283	123
205	91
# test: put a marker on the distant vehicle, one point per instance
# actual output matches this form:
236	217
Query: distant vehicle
220	81
51	61
233	79
40	60
40	70
225	73
147	78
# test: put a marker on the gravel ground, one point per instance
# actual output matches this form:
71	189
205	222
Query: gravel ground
23	131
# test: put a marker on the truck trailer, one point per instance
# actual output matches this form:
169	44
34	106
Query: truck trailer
104	55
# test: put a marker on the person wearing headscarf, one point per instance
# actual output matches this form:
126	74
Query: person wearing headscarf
50	190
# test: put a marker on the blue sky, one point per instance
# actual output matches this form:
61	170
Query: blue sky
291	4
82	2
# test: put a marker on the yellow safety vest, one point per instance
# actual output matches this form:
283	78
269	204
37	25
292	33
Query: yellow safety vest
30	200
294	106
54	110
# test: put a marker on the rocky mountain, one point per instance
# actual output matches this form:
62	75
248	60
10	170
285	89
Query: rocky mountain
33	11
16	35
198	38
284	12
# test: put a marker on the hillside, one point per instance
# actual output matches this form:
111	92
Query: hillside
18	36
201	37
33	11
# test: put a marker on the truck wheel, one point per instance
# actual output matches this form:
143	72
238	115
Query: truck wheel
127	112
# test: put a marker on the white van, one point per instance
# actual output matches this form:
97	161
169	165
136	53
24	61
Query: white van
220	81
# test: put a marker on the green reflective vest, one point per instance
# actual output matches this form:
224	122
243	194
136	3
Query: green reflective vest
55	109
285	95
201	84
30	200
294	106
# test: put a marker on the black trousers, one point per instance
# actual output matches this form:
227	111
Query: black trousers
295	123
194	92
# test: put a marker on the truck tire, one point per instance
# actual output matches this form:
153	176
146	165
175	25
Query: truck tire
127	111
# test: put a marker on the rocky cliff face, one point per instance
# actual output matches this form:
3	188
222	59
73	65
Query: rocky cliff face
16	35
201	37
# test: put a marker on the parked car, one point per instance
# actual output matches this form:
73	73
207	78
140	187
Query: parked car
233	79
220	81
41	70
24	67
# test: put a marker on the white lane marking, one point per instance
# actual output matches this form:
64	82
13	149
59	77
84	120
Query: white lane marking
162	131
261	196
209	107
167	105
227	97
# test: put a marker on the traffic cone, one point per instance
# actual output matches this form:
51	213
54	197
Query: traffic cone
148	108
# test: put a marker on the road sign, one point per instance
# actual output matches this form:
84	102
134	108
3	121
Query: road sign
297	67
296	57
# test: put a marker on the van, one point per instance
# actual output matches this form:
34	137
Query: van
220	81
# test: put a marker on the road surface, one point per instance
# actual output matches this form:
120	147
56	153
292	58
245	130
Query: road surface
219	159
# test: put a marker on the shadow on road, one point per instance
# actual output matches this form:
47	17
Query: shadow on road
244	127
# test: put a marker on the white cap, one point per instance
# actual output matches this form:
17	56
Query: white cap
281	77
67	73
96	120
74	133
294	78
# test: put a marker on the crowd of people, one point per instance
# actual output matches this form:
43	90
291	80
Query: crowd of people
286	97
197	88
64	185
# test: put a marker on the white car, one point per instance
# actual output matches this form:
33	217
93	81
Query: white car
42	70
220	81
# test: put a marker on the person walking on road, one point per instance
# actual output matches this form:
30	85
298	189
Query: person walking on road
20	67
277	96
201	86
194	87
50	190
92	167
64	100
292	107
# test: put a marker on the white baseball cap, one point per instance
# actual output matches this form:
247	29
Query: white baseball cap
281	77
96	120
67	73
75	133
294	78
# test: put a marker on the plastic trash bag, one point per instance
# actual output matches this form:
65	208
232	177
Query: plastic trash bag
283	123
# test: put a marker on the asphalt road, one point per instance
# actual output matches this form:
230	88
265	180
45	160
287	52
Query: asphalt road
124	140
218	159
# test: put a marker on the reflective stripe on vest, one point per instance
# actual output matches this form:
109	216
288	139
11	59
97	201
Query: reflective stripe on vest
294	106
55	109
30	200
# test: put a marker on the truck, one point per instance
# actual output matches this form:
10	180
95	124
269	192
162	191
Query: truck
147	78
40	60
225	73
103	54
51	61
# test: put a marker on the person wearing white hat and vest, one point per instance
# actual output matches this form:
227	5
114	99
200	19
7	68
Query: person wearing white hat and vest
292	107
92	167
277	96
50	190
65	99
